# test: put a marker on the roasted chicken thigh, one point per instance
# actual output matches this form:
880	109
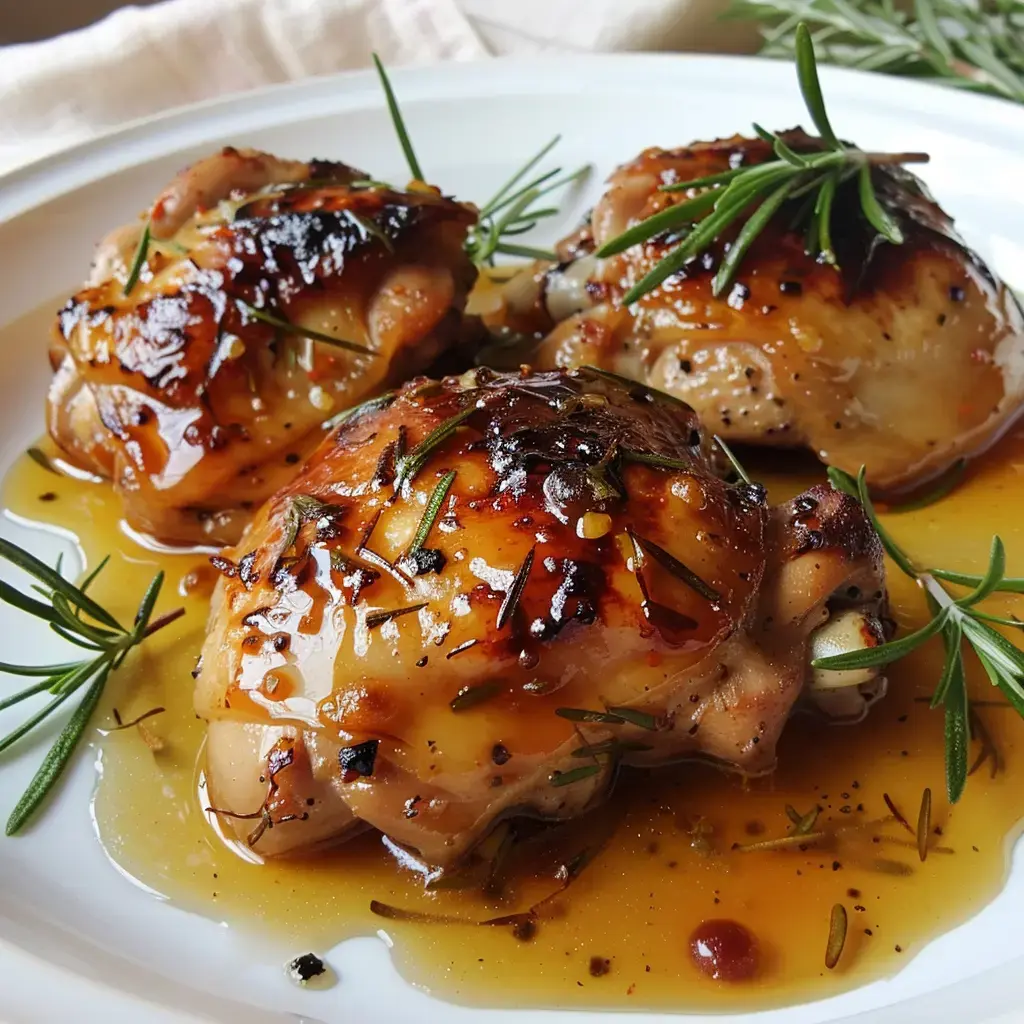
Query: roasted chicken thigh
481	595
907	359
194	383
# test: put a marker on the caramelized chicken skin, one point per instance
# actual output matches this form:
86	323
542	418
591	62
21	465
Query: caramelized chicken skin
196	408
908	359
376	658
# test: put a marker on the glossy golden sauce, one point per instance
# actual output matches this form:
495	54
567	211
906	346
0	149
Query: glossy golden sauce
669	864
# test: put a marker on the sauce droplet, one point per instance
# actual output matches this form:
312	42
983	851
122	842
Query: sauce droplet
724	950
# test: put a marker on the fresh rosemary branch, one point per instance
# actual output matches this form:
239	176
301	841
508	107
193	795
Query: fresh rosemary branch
753	195
75	616
955	620
969	45
511	211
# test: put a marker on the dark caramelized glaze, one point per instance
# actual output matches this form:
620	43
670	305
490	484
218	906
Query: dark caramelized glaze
197	409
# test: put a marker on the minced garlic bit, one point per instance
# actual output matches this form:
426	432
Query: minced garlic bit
319	399
236	348
592	525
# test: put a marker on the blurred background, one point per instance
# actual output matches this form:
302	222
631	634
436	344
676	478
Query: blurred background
27	22
70	69
23	21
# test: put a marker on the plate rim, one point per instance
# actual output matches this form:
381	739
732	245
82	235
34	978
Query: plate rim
28	186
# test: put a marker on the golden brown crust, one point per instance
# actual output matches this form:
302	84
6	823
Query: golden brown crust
584	556
910	358
199	410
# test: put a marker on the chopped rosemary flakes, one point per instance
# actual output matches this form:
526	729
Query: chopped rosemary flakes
470	696
378	618
837	927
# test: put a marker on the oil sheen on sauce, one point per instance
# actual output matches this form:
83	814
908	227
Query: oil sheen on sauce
665	862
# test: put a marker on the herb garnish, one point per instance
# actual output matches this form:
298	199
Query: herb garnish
612	747
895	812
641	719
574	775
976	46
306	508
75	616
40	458
956	620
138	260
370	229
510	211
803	824
583	715
399	123
469	696
370	405
736	464
120	724
837	926
416	458
378	618
431	511
924	823
643	547
287	327
515	592
725	199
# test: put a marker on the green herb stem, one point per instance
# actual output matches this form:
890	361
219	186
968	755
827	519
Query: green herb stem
79	619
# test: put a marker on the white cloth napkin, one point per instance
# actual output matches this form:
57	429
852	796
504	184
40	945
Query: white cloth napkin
142	60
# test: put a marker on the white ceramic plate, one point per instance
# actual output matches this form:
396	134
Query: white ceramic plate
79	942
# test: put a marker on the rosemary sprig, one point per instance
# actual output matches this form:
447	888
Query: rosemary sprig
567	778
287	327
75	616
512	210
642	546
977	46
753	195
956	620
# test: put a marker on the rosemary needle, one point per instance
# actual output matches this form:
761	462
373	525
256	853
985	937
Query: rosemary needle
397	120
138	260
72	614
287	327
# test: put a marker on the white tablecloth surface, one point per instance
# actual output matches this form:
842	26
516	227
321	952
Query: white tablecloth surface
142	60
